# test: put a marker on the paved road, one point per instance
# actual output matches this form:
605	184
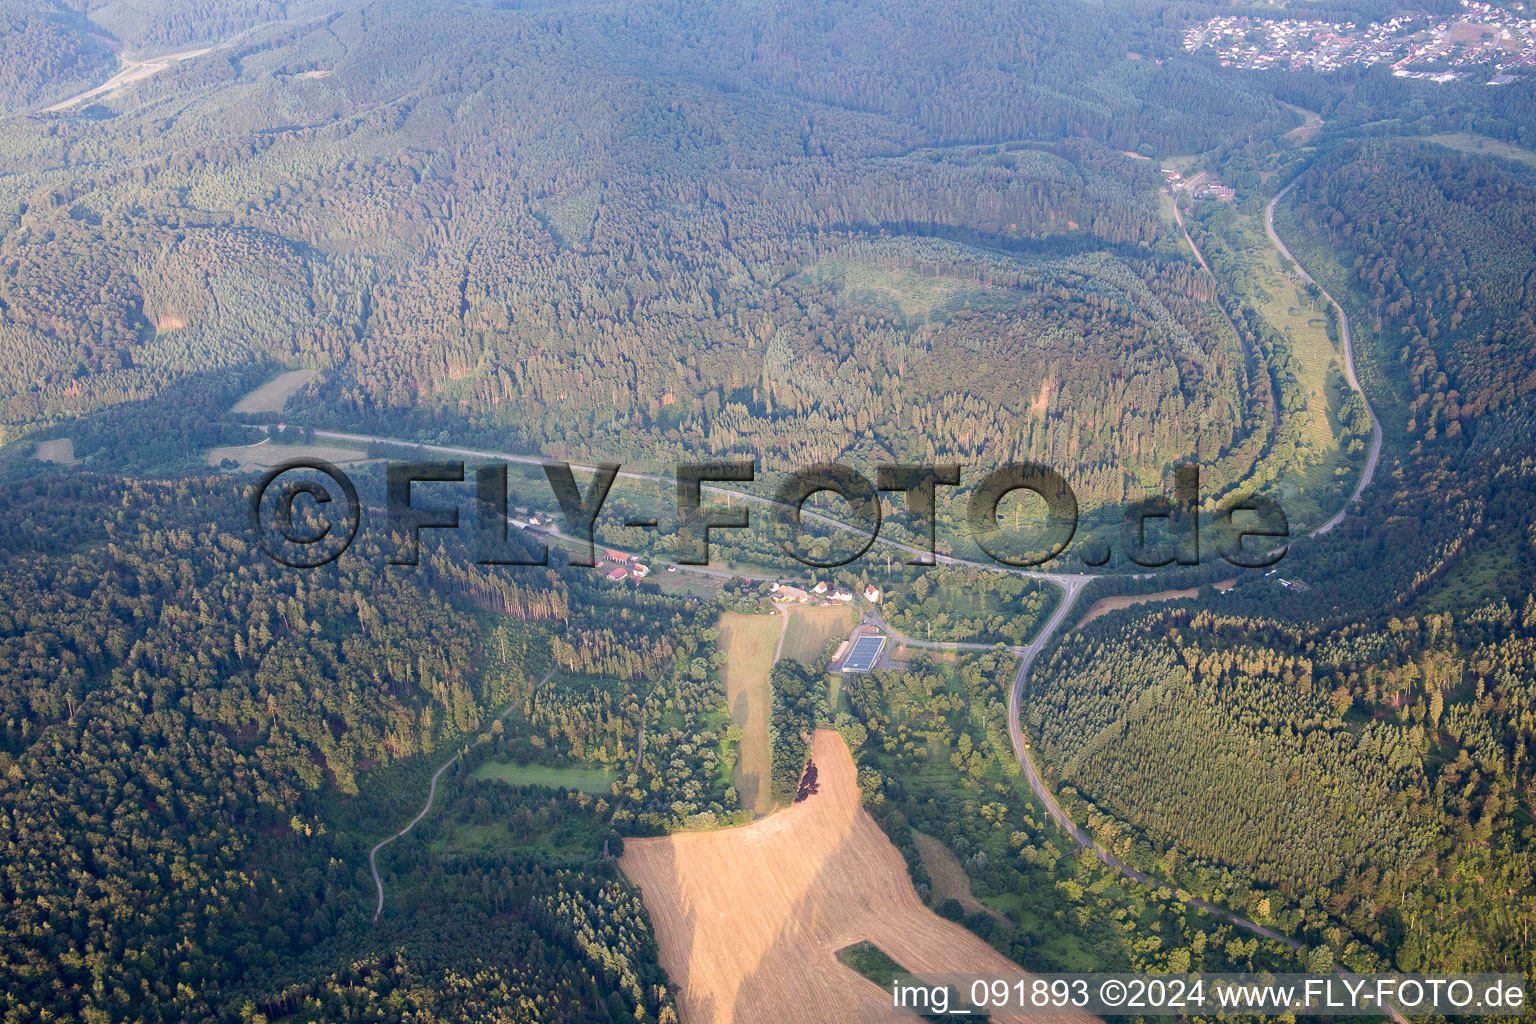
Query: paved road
1349	363
373	854
1042	792
132	71
1028	654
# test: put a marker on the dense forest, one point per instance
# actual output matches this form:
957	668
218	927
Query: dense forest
46	55
934	758
181	721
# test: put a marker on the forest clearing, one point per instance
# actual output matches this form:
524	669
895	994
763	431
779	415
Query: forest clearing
60	450
274	394
750	643
950	881
1117	602
750	919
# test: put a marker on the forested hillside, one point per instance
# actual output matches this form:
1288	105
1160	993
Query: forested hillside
641	232
1350	759
182	721
45	54
796	232
149	29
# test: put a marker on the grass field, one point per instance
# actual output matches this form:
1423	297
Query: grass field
1466	142
1312	494
904	292
750	920
587	780
906	653
812	627
274	394
1304	321
749	643
871	961
60	450
264	454
1304	133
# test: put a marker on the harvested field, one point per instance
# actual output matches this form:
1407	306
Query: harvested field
60	450
750	643
950	882
750	919
812	627
264	454
1105	605
274	394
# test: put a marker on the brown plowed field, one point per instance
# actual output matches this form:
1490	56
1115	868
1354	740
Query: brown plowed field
749	919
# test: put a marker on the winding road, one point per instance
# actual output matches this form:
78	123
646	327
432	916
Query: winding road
1349	362
1028	654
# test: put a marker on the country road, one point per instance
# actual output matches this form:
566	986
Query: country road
373	854
137	70
1028	654
1349	363
1027	657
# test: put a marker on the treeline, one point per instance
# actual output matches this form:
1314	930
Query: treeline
178	23
1353	787
969	605
501	908
799	709
635	692
1440	245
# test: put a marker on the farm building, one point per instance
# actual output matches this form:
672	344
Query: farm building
618	573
